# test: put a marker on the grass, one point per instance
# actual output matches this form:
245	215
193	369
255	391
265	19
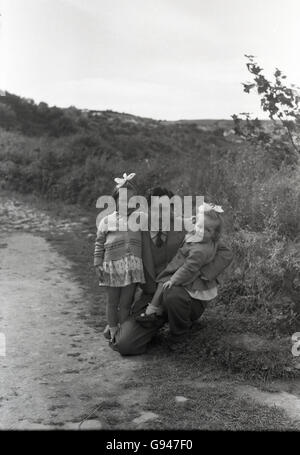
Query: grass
211	408
213	402
214	358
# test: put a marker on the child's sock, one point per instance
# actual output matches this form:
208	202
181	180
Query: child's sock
113	331
106	332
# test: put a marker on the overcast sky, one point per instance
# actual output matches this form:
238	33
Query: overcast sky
165	59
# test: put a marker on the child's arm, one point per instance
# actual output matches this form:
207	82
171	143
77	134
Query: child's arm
99	244
196	259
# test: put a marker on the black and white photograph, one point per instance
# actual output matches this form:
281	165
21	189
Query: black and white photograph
149	219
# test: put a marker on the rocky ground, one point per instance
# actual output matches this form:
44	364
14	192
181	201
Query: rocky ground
58	371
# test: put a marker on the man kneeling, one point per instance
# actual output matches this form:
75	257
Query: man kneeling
186	274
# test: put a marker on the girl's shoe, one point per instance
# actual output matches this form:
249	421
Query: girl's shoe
149	321
106	333
147	317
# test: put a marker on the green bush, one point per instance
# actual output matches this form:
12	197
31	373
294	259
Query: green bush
263	280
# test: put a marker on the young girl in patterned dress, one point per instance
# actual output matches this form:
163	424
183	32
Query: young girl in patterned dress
118	260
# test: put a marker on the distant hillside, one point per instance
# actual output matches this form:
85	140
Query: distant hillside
74	154
205	124
33	119
92	147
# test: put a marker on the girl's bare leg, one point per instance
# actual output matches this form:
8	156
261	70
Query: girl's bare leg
155	306
126	299
157	296
113	299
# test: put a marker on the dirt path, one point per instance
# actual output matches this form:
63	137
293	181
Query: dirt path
56	368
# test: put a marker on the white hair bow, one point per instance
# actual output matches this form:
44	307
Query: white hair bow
122	181
205	207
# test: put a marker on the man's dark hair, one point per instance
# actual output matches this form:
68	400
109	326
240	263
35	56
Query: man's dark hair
158	191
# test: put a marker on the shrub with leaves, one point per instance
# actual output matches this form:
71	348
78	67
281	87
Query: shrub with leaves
281	103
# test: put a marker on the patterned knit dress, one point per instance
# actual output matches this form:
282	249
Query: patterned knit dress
119	251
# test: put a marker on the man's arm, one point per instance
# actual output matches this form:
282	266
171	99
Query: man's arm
221	261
